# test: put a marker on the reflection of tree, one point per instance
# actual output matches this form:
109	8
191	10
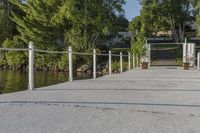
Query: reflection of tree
15	81
2	81
49	78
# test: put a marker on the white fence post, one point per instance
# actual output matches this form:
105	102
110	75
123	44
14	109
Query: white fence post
94	64
70	64
31	66
129	61
121	62
149	55
133	61
110	62
137	61
185	51
198	61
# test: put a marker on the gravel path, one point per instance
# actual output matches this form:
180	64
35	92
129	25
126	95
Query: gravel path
158	100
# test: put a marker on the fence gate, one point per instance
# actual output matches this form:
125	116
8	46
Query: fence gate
188	52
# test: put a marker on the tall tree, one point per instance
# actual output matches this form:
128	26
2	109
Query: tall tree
90	19
135	25
4	21
197	5
7	27
56	24
166	15
80	22
38	23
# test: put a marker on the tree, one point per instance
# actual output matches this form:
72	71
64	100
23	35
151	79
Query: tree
7	27
39	24
121	23
197	5
15	59
79	23
57	24
166	15
90	19
135	25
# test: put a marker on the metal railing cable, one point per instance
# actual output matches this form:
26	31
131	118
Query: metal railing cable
70	53
102	54
80	53
14	49
59	52
51	52
117	55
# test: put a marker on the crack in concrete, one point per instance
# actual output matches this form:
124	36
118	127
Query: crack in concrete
108	109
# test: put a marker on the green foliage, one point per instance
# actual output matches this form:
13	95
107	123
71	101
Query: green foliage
135	25
2	26
121	23
198	17
38	23
137	46
165	15
63	63
56	24
90	20
115	66
2	58
15	59
88	59
7	27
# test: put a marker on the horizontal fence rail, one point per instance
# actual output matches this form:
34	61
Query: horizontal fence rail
70	53
14	49
134	59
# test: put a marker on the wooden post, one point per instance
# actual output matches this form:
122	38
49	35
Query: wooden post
133	61
121	62
149	55
198	61
70	64
137	61
31	66
94	64
110	62
185	51
129	61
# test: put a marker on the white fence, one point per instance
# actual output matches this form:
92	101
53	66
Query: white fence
70	55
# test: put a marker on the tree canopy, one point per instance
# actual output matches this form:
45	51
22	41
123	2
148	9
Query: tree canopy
165	15
77	23
57	24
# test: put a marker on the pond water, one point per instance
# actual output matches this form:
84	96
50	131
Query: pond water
13	81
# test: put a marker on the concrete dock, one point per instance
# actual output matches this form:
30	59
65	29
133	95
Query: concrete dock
157	100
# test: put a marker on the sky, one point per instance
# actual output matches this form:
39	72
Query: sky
132	9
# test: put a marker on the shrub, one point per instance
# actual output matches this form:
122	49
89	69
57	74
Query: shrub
15	59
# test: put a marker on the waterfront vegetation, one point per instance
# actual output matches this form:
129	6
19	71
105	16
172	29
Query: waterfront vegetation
13	81
54	25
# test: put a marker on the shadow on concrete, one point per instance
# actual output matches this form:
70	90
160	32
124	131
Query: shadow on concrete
172	90
100	103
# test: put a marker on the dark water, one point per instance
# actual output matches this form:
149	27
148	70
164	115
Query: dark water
13	81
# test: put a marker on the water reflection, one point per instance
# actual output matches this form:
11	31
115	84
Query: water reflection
13	81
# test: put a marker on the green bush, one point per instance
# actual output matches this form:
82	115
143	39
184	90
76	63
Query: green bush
115	66
15	59
63	63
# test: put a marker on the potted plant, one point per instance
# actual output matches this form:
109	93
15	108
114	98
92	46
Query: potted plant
186	65
139	50
144	63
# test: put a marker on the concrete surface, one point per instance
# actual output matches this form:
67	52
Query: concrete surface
158	100
165	62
